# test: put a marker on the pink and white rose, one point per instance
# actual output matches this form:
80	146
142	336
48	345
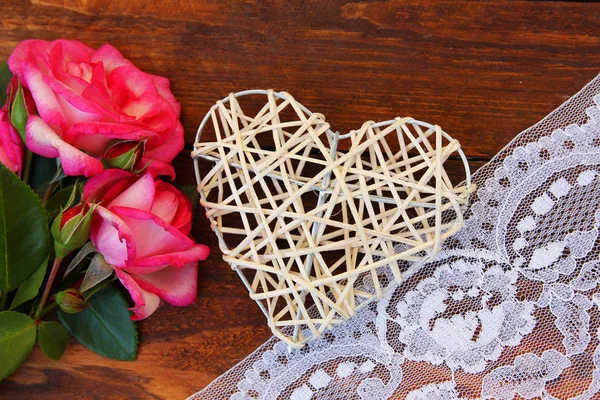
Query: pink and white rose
141	227
87	99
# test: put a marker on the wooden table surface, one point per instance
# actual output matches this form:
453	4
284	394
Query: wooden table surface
483	71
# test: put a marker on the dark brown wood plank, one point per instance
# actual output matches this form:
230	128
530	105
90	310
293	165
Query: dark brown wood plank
472	67
483	71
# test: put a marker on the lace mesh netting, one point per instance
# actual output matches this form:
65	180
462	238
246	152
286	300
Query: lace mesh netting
509	309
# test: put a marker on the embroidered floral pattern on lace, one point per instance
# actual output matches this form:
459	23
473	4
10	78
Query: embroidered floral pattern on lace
485	317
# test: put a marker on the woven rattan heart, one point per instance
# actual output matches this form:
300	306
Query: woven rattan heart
316	233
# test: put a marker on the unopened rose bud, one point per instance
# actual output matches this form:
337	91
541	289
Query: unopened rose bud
71	301
20	105
123	155
71	229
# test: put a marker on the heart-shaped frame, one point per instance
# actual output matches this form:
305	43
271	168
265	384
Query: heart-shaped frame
305	224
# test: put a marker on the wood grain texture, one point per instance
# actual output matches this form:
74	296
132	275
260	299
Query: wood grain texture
483	71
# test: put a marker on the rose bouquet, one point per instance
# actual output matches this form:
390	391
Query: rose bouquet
93	237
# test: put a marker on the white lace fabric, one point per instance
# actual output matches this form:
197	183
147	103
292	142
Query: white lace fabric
510	308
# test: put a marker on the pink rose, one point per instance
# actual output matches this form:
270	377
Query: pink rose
141	227
87	98
11	145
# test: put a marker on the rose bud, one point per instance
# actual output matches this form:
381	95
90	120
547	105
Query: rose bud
20	106
123	155
71	229
71	301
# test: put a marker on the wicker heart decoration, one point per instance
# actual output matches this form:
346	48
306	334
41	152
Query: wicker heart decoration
316	233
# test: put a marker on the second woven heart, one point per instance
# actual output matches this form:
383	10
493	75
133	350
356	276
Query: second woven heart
314	232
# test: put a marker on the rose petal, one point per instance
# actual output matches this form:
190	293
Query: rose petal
151	234
111	58
158	243
160	152
21	54
165	205
62	51
175	259
166	148
42	139
164	90
161	118
112	237
98	92
156	168
45	99
182	219
115	130
140	195
96	187
129	84
177	286
145	302
145	269
94	137
143	106
74	83
83	109
73	107
11	145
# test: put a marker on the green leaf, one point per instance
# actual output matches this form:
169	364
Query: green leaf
191	192
104	326
17	337
53	339
5	77
30	288
25	240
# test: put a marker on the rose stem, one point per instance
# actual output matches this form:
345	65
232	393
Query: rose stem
53	272
3	301
48	193
47	309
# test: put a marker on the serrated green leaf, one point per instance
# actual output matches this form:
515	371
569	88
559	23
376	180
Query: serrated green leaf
105	326
53	339
5	77
24	230
30	288
17	337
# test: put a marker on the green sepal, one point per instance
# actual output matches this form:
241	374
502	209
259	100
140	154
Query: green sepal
19	113
128	159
